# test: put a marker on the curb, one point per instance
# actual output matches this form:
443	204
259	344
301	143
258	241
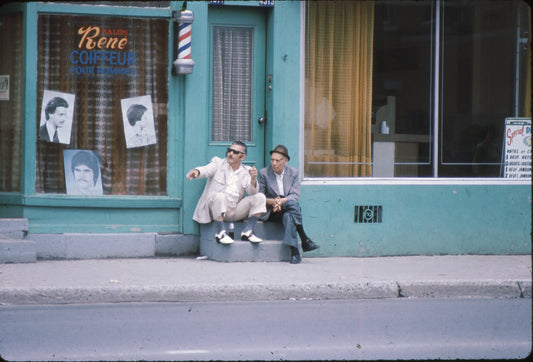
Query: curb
256	292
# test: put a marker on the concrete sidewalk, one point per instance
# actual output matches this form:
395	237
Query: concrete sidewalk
192	279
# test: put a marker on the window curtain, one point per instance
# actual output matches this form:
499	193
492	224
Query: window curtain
339	49
98	123
232	84
11	63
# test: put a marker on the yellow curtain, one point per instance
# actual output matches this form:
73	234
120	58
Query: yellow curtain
339	48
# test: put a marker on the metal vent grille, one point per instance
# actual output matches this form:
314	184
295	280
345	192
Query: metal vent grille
369	214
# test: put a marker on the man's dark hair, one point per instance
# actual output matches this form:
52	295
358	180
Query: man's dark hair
53	104
240	143
135	113
86	158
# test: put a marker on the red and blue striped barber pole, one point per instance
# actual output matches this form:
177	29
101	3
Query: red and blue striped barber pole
184	63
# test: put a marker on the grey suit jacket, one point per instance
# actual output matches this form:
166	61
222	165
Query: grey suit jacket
269	186
43	133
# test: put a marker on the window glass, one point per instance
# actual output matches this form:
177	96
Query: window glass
232	83
484	77
338	74
401	98
11	63
370	90
112	72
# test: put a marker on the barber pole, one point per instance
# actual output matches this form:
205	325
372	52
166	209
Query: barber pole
184	63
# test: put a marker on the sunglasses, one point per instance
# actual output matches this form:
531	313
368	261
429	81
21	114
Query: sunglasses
234	151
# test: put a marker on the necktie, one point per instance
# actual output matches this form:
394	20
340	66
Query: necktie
56	139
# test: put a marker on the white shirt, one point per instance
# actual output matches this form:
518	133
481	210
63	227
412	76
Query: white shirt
279	180
235	182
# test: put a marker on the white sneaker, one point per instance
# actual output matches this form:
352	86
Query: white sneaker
249	236
223	238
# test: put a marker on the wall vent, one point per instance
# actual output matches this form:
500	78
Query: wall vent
369	214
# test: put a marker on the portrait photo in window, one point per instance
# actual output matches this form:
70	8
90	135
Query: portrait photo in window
82	172
56	117
138	118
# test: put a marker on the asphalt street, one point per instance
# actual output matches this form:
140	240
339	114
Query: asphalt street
401	328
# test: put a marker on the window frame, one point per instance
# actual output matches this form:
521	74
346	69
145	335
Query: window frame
436	113
173	197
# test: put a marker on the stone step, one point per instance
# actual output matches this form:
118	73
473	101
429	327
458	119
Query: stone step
270	249
17	251
14	228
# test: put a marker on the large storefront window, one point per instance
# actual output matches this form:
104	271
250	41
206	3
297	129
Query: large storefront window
102	100
11	63
374	107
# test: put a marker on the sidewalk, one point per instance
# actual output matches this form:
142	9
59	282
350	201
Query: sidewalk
191	279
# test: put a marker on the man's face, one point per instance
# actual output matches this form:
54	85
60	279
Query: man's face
278	162
58	118
143	122
84	177
235	155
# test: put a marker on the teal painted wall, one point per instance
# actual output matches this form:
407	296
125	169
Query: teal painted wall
420	219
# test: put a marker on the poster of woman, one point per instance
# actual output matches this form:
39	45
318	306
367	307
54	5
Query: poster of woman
138	118
57	113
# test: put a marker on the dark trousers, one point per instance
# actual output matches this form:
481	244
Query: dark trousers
290	215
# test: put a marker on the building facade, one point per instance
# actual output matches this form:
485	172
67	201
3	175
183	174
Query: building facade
410	121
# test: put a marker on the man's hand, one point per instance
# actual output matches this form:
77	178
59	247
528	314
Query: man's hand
253	174
193	174
278	201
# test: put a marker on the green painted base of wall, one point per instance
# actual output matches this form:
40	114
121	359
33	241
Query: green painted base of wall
54	220
419	219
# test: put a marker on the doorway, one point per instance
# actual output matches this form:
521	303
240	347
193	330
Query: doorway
237	80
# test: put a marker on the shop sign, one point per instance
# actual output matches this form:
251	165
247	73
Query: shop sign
102	51
517	148
4	87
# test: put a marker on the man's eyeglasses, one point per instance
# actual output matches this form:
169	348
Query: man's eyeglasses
234	151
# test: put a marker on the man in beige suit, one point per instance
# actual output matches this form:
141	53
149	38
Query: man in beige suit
224	198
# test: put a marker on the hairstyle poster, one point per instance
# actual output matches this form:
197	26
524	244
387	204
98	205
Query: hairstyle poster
57	113
82	172
138	118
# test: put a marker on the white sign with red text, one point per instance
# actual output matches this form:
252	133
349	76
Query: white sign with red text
517	148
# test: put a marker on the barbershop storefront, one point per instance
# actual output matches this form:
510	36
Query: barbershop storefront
410	121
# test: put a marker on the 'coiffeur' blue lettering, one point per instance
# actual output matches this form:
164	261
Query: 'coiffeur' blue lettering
98	57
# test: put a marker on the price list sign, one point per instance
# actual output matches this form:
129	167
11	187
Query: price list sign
517	148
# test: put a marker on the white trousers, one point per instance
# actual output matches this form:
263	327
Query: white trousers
245	208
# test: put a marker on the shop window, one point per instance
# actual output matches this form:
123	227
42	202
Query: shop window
370	92
11	63
486	78
104	80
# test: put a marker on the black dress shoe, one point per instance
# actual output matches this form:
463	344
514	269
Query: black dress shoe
296	259
308	245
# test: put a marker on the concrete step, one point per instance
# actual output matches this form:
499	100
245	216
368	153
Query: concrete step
17	251
270	249
14	228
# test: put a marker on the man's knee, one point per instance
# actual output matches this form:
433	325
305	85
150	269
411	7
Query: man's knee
292	205
258	199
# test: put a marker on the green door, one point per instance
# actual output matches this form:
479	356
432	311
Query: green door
237	80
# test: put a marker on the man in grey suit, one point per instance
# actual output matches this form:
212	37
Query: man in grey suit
281	186
56	116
